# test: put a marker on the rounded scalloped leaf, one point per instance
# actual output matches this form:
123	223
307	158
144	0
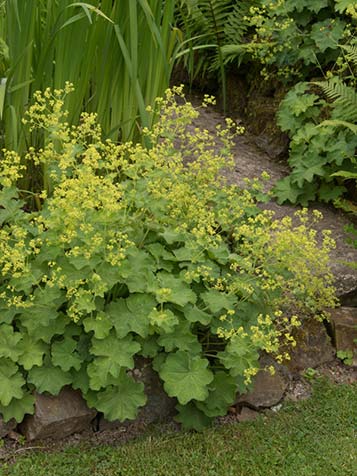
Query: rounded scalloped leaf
191	418
11	382
121	402
186	377
18	408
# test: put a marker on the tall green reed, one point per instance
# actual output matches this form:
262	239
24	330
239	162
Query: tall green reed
119	55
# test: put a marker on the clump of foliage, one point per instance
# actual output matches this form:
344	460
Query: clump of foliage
321	120
125	251
297	40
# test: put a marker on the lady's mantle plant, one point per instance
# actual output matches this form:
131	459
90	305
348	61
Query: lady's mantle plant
147	251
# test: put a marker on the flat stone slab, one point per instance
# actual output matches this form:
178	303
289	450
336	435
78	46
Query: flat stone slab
344	328
268	390
313	347
58	416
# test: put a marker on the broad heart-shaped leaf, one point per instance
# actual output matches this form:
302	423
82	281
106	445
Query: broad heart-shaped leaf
342	5
121	402
37	317
11	382
112	354
163	321
18	408
56	327
239	355
191	418
149	346
171	236
98	373
137	271
286	191
193	314
131	314
218	300
100	325
220	254
49	378
32	352
327	34
181	338
80	379
222	393
186	377
9	342
65	355
179	292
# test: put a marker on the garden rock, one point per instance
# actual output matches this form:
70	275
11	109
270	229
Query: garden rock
159	406
58	416
313	347
268	390
247	414
5	428
344	329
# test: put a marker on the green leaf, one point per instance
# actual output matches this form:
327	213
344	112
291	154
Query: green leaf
121	402
220	254
186	377
80	379
222	393
328	193
163	320
193	314
327	34
342	5
137	271
182	339
32	352
172	237
112	354
11	382
101	325
191	418
131	314
286	191
218	300
65	355
239	355
149	346
177	291
38	317
18	408
57	327
9	342
49	378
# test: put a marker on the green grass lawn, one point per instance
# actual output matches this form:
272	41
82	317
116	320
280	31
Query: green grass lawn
316	437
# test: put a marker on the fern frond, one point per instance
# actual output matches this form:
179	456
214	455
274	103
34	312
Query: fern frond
237	26
343	96
351	51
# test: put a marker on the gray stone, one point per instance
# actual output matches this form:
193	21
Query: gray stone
268	390
247	414
344	329
57	416
5	428
313	347
159	406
